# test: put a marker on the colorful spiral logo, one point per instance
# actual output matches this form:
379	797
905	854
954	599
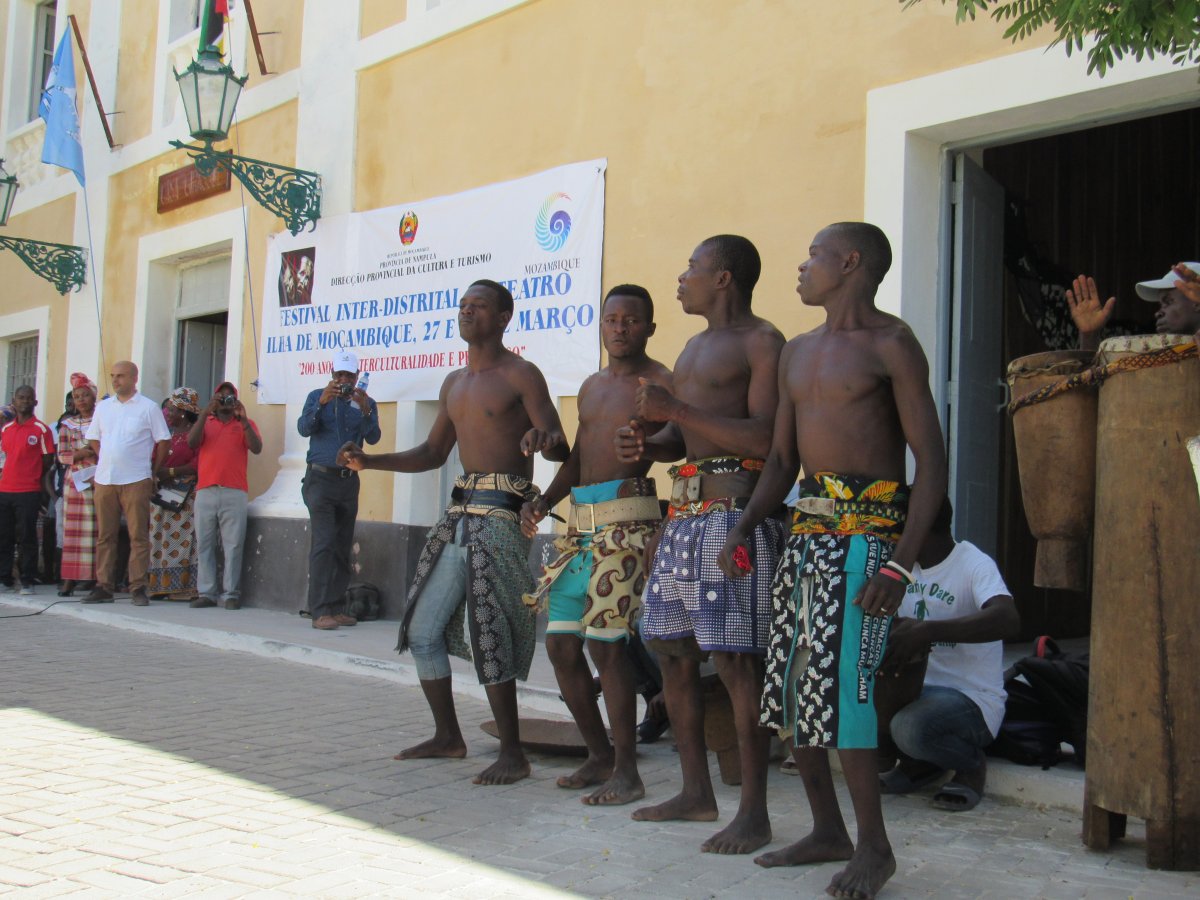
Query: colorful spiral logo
551	231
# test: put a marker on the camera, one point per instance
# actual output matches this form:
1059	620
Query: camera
228	400
345	390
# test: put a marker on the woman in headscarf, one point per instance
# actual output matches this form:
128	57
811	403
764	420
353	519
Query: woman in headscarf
172	573
78	565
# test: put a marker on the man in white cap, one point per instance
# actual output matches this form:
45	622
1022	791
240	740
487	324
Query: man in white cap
1176	314
332	416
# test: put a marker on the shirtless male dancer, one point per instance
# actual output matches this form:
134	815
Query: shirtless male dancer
853	394
595	585
720	415
499	411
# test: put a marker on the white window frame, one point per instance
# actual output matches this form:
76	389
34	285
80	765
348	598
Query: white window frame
20	326
160	256
41	53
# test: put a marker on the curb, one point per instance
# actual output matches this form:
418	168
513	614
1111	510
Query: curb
1060	788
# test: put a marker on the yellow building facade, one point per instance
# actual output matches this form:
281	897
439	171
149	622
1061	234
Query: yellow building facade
768	118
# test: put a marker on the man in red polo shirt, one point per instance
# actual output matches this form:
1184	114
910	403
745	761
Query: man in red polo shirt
28	446
224	435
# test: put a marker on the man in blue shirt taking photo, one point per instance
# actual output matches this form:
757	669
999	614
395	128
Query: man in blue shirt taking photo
333	415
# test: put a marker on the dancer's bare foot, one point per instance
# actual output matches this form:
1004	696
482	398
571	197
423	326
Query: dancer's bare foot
435	748
745	834
622	787
593	771
810	849
868	871
689	809
511	767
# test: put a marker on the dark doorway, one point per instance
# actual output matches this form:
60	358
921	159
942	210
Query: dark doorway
201	360
1117	202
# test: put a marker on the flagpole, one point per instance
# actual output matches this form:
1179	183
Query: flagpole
87	215
87	67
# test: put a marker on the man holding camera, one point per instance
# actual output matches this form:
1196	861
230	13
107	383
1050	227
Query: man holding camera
332	416
224	436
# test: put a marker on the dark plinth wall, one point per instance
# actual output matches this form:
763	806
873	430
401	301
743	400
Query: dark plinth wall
275	562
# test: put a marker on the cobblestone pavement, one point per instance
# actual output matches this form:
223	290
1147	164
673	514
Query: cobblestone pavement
137	765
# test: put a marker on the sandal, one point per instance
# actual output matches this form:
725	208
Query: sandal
963	791
908	776
67	589
954	796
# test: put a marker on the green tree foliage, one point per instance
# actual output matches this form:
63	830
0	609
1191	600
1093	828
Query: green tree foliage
1137	28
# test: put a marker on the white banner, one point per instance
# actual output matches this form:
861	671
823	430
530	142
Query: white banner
385	285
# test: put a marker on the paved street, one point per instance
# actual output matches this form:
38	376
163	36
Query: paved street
139	765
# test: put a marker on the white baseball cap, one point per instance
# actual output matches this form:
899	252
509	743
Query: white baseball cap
345	361
1152	291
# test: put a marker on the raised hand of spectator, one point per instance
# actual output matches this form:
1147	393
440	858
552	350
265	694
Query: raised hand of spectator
1189	282
1088	313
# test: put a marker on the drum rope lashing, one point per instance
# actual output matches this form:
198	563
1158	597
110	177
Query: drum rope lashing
1098	374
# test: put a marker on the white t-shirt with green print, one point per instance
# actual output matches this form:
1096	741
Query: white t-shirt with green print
958	586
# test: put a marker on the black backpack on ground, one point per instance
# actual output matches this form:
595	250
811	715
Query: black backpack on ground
1047	707
363	601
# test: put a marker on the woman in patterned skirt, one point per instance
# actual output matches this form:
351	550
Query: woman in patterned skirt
172	573
78	566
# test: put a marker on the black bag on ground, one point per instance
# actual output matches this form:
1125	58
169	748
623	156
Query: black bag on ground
363	601
1047	707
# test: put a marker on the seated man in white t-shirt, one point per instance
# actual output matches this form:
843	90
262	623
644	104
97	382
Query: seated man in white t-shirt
959	611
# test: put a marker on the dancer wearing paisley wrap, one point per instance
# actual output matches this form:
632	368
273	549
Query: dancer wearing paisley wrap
593	589
853	396
499	412
725	394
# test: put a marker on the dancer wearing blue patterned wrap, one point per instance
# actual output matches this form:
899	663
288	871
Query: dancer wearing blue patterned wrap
720	411
824	650
853	398
689	598
499	412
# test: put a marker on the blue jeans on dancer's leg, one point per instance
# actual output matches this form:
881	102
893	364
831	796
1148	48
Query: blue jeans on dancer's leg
944	727
440	597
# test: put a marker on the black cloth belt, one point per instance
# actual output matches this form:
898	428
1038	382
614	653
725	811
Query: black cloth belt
338	471
493	499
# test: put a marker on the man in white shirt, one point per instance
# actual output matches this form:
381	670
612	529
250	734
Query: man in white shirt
959	611
131	439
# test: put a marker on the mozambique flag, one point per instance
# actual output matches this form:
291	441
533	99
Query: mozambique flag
214	24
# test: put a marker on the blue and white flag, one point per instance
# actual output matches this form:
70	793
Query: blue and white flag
62	146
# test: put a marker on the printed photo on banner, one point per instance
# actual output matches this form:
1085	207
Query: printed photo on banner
295	276
389	283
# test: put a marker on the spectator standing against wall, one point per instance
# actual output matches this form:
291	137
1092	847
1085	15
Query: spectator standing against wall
131	438
75	454
172	572
223	436
333	415
28	454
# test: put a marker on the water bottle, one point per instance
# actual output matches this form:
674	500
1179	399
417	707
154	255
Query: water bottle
363	380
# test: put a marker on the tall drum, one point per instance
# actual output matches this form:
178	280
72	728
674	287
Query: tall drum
1143	751
1056	459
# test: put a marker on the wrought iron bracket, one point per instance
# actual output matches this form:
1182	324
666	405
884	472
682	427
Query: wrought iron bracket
292	194
63	265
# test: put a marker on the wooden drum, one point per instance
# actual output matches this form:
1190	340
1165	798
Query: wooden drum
1056	459
1143	750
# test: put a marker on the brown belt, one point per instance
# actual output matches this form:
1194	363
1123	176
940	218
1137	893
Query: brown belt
703	486
588	518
